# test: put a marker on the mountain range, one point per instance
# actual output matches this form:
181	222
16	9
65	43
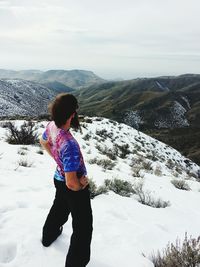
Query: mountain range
163	102
167	108
71	78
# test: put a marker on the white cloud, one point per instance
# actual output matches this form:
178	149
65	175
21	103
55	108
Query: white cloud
114	38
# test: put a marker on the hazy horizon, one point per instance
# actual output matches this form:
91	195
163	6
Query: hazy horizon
106	77
124	39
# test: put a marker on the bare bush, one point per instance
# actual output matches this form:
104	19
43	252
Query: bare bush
122	150
103	133
89	151
87	120
193	175
93	161
107	164
136	161
4	124
22	152
40	151
25	163
158	171
24	148
186	254
175	174
87	137
136	166
98	119
120	187
198	174
25	135
178	169
139	164
180	184
98	147
146	198
110	153
136	171
153	156
146	165
95	191
170	164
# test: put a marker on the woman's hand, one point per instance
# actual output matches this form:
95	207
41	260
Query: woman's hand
84	181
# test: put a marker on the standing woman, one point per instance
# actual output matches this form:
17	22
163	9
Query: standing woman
72	188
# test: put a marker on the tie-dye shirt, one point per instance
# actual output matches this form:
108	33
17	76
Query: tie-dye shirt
65	150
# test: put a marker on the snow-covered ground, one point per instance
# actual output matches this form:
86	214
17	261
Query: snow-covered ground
125	231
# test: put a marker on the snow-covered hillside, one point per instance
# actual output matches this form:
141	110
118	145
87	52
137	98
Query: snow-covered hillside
176	117
126	231
20	97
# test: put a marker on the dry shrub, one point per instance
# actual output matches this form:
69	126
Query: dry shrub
180	184
186	254
25	135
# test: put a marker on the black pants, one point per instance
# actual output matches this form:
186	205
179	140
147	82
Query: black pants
78	204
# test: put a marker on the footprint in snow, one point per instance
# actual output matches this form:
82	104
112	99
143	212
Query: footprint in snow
8	252
22	204
4	221
33	188
7	209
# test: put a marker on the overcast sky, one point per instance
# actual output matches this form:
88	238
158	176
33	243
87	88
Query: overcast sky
113	38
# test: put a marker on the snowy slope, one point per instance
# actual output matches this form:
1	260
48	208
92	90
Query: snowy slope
124	229
20	97
176	118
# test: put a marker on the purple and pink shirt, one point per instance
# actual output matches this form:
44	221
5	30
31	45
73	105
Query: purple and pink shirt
65	151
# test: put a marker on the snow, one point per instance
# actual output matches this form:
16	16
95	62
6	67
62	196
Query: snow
20	97
179	115
162	87
133	118
186	101
175	119
124	229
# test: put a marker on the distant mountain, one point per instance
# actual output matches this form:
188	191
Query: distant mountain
23	98
59	87
163	102
167	108
70	78
157	105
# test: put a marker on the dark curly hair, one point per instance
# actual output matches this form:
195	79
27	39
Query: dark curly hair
62	108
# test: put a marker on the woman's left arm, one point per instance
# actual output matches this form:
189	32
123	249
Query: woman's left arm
46	146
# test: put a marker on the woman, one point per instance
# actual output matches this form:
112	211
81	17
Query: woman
72	188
